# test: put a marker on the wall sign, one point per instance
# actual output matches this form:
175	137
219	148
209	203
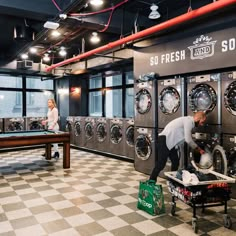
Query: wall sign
206	51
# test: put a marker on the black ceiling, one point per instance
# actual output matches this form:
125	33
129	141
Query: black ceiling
28	17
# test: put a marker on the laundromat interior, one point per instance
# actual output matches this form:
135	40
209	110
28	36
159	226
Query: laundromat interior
119	72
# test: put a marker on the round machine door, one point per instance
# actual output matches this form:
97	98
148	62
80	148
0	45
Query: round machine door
15	126
143	101
129	133
230	98
116	134
101	132
202	98
169	100
232	162
143	148
35	125
68	126
88	128
77	128
219	160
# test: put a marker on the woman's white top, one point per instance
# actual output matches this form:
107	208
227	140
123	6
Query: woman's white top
53	119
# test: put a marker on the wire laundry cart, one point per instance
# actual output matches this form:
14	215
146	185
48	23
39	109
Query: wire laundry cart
202	195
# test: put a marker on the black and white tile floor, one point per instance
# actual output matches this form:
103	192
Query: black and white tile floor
96	196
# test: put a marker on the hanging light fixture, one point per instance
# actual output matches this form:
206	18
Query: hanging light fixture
95	38
154	14
96	2
62	52
46	57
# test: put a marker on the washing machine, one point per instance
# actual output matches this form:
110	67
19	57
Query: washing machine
145	149
14	124
34	123
1	125
211	142
89	132
117	140
145	104
204	94
70	128
128	134
101	134
170	100
229	102
79	131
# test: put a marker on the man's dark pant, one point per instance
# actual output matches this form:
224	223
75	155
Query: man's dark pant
161	158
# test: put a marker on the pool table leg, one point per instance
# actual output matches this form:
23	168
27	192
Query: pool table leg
66	155
48	151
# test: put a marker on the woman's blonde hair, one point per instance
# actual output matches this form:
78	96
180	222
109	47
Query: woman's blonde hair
200	115
53	102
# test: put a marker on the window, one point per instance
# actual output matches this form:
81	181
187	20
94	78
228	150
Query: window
8	81
37	83
129	77
129	102
95	82
113	104
95	103
114	80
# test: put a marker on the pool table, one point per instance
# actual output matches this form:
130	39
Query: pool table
30	138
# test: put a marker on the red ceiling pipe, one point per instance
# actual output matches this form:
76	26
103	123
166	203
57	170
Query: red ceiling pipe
147	32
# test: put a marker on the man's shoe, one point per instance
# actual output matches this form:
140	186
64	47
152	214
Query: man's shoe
56	155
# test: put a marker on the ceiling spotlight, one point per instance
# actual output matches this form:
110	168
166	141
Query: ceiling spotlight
33	50
62	52
24	56
95	38
154	13
46	57
51	25
96	2
55	33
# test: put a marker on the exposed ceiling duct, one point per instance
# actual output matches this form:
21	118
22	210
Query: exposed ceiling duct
194	14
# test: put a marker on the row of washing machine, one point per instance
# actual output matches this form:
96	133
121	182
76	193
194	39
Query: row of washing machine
15	124
114	136
157	102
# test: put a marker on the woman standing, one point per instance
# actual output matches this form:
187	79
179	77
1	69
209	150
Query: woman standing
52	122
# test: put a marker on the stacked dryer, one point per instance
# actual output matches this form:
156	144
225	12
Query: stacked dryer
70	128
14	124
101	134
229	121
117	141
145	122
79	131
35	123
171	105
128	133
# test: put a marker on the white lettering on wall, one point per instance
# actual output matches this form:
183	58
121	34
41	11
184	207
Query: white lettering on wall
168	58
228	45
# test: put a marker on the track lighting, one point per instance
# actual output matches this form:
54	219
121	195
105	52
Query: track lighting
95	38
154	13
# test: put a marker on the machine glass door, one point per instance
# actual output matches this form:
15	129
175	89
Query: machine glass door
143	101
77	128
15	126
130	135
232	162
230	98
68	126
202	98
143	147
88	130
219	160
35	125
101	132
116	134
169	101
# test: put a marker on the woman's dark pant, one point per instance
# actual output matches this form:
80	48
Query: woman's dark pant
161	158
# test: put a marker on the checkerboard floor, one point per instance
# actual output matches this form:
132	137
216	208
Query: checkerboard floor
96	196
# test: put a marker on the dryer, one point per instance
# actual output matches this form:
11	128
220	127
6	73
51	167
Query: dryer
89	132
14	124
101	134
229	102
171	99
35	123
145	104
204	95
145	149
211	142
117	140
1	125
79	131
70	128
128	133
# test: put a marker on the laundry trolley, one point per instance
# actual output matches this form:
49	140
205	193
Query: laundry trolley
202	195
